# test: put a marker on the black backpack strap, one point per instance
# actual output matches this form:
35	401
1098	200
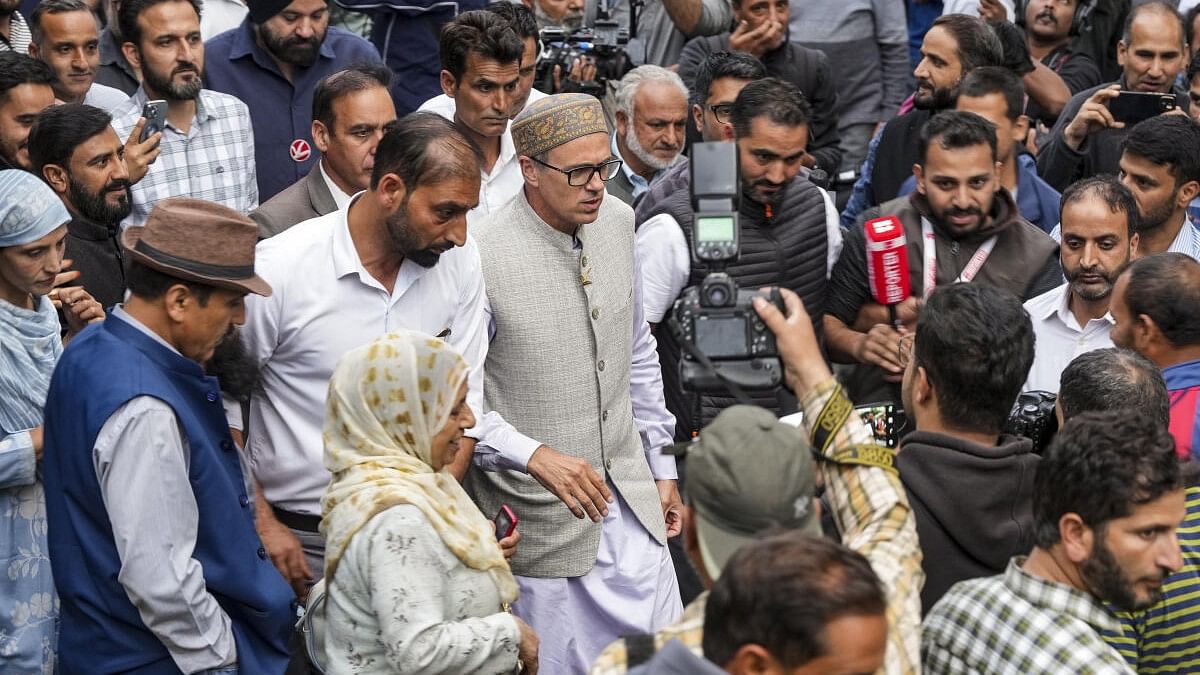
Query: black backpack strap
639	648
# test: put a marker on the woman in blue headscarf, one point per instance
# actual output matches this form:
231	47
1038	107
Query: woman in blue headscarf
33	226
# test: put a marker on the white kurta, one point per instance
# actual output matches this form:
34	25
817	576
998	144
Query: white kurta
632	589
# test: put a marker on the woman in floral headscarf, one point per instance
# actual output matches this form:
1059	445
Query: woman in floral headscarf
416	582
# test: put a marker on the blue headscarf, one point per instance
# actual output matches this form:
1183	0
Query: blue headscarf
29	209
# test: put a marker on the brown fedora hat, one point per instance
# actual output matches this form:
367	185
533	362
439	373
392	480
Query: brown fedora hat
195	240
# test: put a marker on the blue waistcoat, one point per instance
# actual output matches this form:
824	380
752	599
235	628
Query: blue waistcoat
102	369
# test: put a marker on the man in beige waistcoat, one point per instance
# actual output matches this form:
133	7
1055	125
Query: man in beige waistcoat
574	394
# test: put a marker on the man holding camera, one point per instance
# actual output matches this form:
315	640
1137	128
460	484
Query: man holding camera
572	368
789	234
960	225
1087	138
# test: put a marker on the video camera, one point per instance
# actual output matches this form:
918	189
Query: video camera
604	41
724	341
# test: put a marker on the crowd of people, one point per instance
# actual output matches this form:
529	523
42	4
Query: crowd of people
330	343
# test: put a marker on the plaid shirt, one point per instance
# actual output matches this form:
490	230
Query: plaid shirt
213	161
873	515
1015	623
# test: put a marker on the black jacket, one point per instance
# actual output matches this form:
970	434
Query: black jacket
973	505
806	68
99	258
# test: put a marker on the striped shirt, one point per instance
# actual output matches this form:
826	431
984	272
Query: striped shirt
1017	624
872	512
19	36
213	160
1166	637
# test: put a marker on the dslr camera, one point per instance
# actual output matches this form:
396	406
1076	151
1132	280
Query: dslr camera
724	341
604	41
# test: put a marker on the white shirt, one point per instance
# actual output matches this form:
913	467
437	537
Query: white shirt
666	260
105	98
1060	338
971	8
221	15
504	181
340	198
324	304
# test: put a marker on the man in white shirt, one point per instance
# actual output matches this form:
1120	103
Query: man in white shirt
397	257
1099	217
350	111
481	73
66	37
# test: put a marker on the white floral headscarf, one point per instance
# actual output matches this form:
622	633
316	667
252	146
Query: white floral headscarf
387	401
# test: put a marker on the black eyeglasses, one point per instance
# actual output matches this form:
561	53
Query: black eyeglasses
721	112
582	175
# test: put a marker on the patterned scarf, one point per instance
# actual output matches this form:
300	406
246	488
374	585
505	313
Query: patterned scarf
29	347
387	400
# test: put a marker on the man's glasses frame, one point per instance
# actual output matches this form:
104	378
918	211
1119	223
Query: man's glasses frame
582	175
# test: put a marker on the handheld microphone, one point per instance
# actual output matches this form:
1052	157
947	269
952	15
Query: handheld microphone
887	263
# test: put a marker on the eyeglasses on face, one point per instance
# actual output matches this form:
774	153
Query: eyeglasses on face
582	175
721	111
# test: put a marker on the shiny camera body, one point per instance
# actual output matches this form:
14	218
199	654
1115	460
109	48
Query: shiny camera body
716	320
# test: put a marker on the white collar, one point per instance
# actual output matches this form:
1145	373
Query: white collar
340	198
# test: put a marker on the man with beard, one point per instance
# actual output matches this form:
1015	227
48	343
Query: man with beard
66	37
1059	72
1107	500
1086	140
26	89
1156	312
351	109
1161	638
273	61
396	257
207	147
77	153
955	45
567	14
652	115
1161	167
1099	226
789	233
977	235
571	367
481	72
14	32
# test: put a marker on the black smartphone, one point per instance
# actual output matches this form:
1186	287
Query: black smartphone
886	421
1132	107
155	113
506	522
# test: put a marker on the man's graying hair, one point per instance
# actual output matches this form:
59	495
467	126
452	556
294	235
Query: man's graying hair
628	87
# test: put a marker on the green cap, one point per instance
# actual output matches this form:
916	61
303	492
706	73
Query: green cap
748	474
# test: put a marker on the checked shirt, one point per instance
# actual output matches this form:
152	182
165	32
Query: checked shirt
1017	624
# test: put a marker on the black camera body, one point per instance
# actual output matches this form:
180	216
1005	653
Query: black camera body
604	42
724	339
1033	417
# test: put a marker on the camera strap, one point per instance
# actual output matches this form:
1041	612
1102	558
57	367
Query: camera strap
737	392
973	265
824	430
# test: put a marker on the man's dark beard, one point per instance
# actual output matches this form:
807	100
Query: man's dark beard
232	366
1156	219
294	50
943	218
95	207
1105	578
405	240
167	88
940	99
749	192
1087	294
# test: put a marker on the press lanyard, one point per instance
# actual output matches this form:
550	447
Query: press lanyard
973	265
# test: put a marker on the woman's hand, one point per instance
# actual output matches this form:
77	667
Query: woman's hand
527	649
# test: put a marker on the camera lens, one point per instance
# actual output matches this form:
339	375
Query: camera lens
717	296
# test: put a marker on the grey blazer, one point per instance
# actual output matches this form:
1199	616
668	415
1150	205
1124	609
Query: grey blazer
620	187
305	199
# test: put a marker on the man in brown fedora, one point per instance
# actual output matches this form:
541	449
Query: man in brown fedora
152	540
